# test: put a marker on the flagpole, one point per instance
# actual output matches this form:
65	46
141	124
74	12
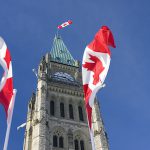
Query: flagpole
92	138
91	132
91	129
9	119
57	32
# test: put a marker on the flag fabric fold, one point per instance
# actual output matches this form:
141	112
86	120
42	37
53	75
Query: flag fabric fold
67	23
7	93
95	65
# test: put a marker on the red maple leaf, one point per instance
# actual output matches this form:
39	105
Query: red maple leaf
96	66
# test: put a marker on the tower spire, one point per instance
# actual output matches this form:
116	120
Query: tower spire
60	53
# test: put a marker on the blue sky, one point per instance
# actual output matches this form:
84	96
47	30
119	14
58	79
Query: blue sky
29	26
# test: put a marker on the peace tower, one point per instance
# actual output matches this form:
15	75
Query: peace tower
56	118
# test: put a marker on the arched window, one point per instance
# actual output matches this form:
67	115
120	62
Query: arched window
61	142
62	112
55	141
82	145
71	112
76	144
80	113
52	109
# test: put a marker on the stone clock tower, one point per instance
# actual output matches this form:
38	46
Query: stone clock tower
56	118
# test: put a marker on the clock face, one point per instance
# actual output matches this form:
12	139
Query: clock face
63	76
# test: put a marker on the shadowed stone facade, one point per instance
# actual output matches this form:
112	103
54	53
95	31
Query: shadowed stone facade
56	118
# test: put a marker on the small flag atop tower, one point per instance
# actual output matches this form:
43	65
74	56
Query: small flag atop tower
69	22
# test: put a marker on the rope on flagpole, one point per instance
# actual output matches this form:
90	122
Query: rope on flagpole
9	119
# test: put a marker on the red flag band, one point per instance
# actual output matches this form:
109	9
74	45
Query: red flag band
95	65
64	24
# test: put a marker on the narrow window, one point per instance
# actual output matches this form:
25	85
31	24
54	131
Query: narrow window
80	113
54	141
61	142
82	145
71	112
52	110
62	112
76	144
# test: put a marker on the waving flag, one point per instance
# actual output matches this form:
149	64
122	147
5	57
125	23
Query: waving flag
95	65
69	22
7	93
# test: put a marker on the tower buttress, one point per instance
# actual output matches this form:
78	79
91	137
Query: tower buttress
37	121
28	131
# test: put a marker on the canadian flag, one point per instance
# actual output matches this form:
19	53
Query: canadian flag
95	65
7	93
64	24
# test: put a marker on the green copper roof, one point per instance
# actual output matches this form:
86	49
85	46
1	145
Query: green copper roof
59	52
